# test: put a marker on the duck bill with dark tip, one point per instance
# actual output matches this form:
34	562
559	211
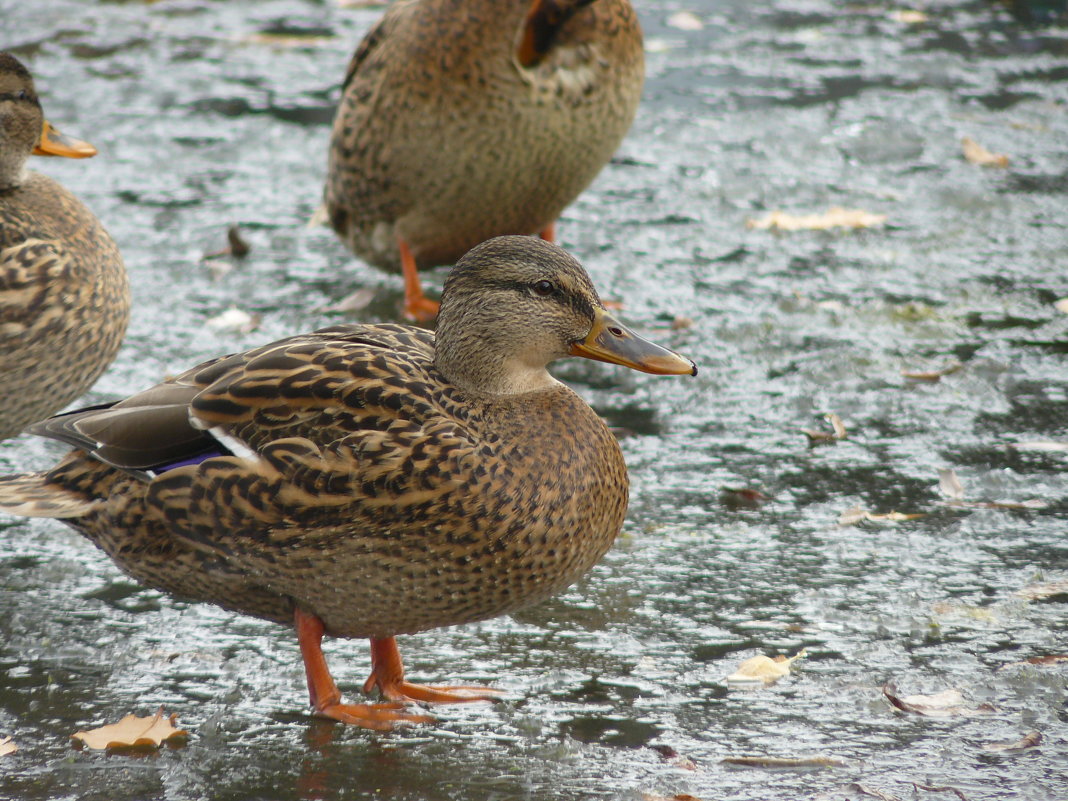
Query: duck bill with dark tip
611	341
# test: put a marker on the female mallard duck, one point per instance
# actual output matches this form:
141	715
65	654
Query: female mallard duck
64	301
368	480
461	120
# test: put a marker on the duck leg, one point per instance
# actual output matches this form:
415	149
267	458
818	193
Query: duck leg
417	306
548	233
325	696
387	674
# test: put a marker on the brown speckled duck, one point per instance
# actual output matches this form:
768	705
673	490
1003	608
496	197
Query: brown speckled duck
64	301
368	480
461	120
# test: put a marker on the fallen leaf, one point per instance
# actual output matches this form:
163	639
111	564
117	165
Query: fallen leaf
685	21
763	670
234	321
860	788
7	747
944	789
1027	741
1052	659
837	432
1041	445
133	732
742	497
834	217
983	614
946	704
681	323
949	484
360	299
850	517
1033	503
908	16
1040	592
933	375
1061	305
977	154
679	797
674	758
786	762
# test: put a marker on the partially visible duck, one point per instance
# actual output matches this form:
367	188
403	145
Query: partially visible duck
64	300
368	480
461	120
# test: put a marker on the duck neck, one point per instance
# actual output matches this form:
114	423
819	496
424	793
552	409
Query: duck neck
12	172
478	369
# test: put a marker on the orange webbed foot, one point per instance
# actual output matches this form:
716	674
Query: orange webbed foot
420	309
380	717
387	675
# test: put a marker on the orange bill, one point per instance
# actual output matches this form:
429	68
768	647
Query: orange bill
611	341
54	143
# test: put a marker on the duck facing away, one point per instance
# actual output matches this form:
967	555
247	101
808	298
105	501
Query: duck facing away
368	480
461	120
64	300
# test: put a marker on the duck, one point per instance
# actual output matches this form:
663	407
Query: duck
462	120
64	296
368	480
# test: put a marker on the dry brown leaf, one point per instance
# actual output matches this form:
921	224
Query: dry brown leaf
950	486
837	432
834	217
908	16
1047	589
679	797
763	670
850	517
7	747
933	375
943	789
1051	659
1041	446
786	762
1027	741
946	704
742	497
133	732
977	154
860	788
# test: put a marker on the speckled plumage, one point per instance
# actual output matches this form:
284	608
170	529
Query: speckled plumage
381	479
444	139
64	300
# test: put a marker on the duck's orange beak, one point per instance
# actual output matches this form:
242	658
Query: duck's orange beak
611	341
54	143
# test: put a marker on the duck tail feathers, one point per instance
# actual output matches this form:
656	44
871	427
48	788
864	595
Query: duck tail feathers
35	495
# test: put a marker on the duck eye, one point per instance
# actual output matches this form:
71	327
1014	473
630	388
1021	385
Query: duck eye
544	288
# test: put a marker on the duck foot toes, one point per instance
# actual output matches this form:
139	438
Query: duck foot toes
456	694
380	717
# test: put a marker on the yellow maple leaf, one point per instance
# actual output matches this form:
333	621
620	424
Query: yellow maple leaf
834	217
133	732
763	670
7	747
